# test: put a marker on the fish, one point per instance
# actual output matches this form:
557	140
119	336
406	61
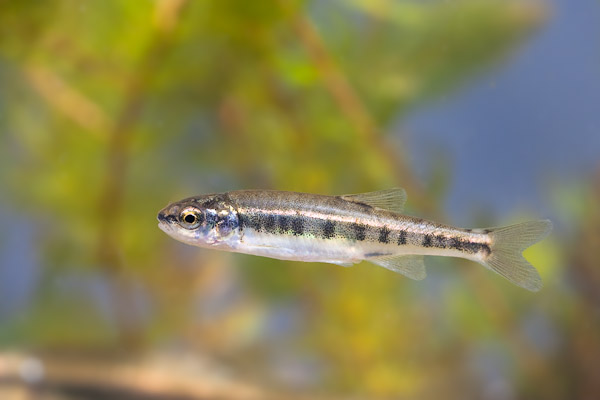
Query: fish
346	230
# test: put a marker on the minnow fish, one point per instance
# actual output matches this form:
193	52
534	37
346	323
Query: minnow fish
345	230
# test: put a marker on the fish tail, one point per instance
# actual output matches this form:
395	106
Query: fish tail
507	245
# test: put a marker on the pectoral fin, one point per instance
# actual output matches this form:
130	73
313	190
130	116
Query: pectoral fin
412	267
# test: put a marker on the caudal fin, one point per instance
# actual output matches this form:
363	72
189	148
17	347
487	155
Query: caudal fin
506	256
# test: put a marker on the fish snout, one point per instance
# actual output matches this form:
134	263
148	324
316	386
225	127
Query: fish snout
168	215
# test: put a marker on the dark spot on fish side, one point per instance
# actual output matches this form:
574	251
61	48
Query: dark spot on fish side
468	247
474	248
426	240
486	249
270	223
468	230
255	222
359	231
242	221
384	235
440	241
284	223
297	226
456	244
402	237
486	230
328	229
471	247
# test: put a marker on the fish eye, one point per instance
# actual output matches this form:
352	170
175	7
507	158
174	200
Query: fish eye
190	218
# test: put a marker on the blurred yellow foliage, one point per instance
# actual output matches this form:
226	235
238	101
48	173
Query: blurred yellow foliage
109	110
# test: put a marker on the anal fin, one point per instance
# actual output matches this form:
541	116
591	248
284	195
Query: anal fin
344	263
411	266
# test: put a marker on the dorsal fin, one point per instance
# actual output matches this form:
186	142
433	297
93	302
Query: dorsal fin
388	199
411	266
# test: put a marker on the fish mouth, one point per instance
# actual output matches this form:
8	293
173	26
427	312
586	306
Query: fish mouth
163	225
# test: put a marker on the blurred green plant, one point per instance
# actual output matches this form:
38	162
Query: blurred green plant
111	109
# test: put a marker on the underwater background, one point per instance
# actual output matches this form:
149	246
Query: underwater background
485	111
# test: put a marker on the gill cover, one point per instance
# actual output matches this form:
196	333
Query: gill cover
227	223
201	221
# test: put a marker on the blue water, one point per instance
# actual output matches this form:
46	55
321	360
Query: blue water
517	130
19	265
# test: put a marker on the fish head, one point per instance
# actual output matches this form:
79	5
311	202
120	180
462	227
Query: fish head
204	221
